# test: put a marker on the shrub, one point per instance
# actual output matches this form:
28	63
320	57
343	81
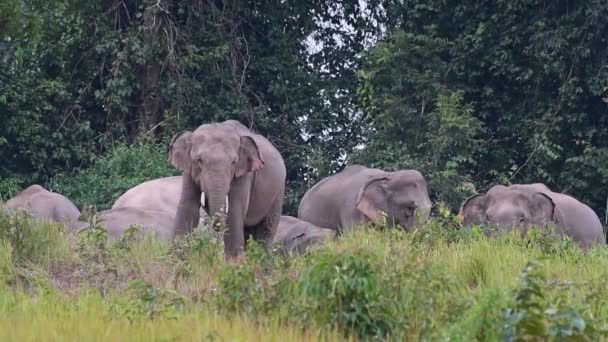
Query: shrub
542	309
27	243
146	301
113	174
483	321
9	187
346	290
32	240
240	290
254	285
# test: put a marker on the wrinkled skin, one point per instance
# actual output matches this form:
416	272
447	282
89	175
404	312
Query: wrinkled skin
237	174
524	205
296	236
358	194
45	204
162	194
117	221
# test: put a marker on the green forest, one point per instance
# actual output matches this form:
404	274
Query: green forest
471	93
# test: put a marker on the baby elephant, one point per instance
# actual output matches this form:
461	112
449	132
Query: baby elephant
358	194
524	205
47	205
295	236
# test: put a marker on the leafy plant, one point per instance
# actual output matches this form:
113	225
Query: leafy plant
93	237
148	302
346	290
113	174
541	309
240	290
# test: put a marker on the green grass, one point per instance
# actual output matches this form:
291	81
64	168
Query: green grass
88	317
437	283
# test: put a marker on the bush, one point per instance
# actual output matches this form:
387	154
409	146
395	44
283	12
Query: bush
9	187
253	285
540	309
346	290
113	174
148	302
26	243
483	321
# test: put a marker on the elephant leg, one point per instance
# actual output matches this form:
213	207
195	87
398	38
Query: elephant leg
234	237
265	230
187	215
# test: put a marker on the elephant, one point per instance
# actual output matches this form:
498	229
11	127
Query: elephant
521	206
44	204
357	194
117	221
160	194
296	236
236	175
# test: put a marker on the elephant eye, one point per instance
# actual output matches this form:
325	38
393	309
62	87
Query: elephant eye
234	162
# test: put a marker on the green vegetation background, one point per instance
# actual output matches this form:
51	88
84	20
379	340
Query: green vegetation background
469	92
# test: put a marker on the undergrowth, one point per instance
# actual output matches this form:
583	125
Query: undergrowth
438	282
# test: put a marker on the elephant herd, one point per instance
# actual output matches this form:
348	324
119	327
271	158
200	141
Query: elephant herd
235	178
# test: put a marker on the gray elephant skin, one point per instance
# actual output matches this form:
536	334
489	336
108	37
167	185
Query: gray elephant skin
237	175
162	194
358	194
523	205
47	205
296	236
117	221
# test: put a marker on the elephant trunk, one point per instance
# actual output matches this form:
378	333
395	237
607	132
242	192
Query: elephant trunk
216	195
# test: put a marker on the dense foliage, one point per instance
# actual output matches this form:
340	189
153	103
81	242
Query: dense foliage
530	82
468	92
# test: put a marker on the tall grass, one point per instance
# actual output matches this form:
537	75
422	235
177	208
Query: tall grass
88	317
436	283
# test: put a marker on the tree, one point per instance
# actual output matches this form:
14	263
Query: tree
533	72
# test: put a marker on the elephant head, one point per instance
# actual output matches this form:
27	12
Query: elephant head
509	208
401	195
213	156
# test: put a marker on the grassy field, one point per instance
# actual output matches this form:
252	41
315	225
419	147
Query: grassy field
436	283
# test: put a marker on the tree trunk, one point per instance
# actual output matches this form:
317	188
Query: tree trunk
149	113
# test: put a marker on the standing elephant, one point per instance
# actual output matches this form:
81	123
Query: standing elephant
524	205
295	235
358	194
45	204
237	175
160	194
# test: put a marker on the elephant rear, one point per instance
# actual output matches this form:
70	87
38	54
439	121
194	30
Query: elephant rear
580	221
47	205
117	221
158	194
55	207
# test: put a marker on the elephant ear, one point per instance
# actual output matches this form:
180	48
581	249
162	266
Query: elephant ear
473	210
179	151
543	207
250	157
373	197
